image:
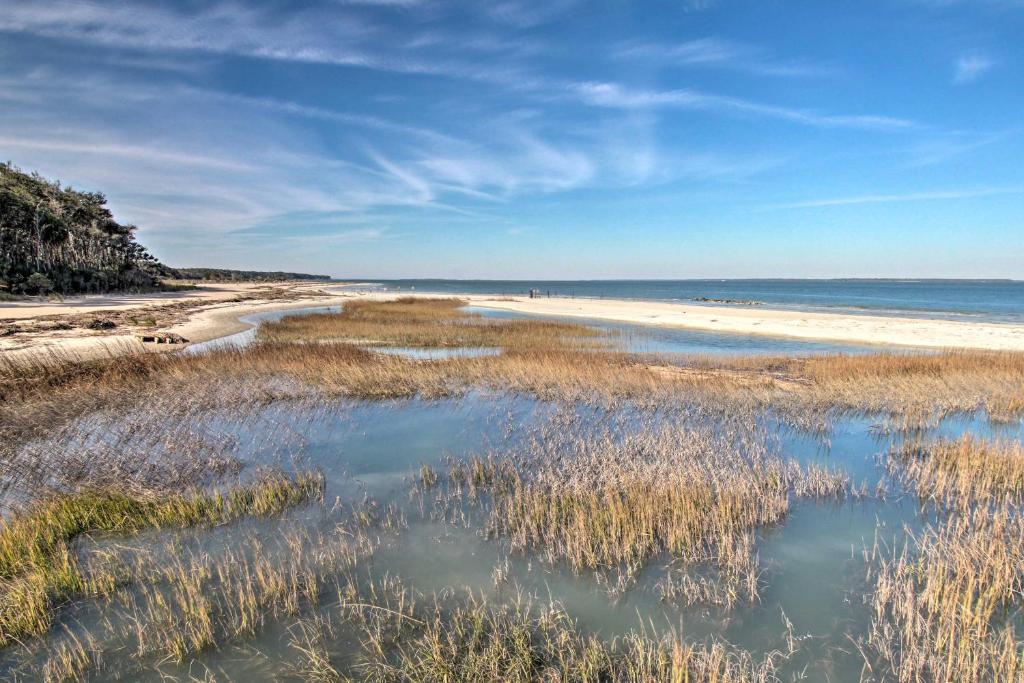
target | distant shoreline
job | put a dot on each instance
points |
(221, 317)
(990, 300)
(908, 332)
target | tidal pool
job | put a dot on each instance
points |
(651, 339)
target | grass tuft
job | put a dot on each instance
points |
(38, 563)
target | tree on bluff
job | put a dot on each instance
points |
(54, 238)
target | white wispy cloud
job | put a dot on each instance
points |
(1003, 4)
(417, 167)
(382, 3)
(139, 152)
(188, 161)
(526, 13)
(617, 96)
(720, 53)
(350, 40)
(316, 35)
(933, 151)
(321, 114)
(907, 197)
(219, 28)
(226, 28)
(971, 67)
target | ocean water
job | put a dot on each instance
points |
(981, 300)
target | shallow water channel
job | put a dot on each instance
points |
(814, 590)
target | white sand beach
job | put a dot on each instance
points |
(218, 316)
(761, 320)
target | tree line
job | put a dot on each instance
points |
(57, 239)
(226, 275)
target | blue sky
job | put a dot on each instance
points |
(523, 138)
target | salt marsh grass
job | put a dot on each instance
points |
(611, 498)
(962, 473)
(946, 602)
(944, 607)
(553, 361)
(427, 323)
(478, 643)
(38, 563)
(641, 473)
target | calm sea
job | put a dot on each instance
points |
(989, 300)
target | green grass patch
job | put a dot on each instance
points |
(39, 566)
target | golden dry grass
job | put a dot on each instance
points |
(943, 608)
(426, 323)
(479, 643)
(550, 361)
(613, 498)
(946, 607)
(594, 500)
(963, 473)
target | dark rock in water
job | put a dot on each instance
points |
(101, 324)
(734, 302)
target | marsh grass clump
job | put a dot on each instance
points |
(193, 603)
(918, 385)
(310, 638)
(38, 562)
(944, 608)
(70, 659)
(426, 323)
(478, 643)
(962, 473)
(611, 498)
(187, 596)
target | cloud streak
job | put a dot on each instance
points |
(97, 149)
(613, 95)
(714, 52)
(907, 197)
